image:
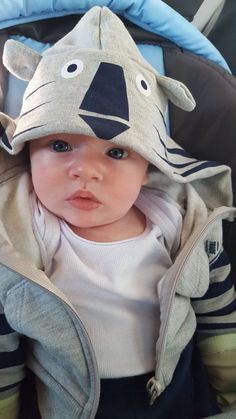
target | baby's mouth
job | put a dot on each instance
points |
(83, 200)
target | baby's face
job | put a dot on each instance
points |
(86, 181)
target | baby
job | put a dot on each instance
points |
(112, 266)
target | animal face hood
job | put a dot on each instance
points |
(95, 82)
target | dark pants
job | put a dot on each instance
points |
(187, 397)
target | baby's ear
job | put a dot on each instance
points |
(20, 60)
(177, 93)
(7, 129)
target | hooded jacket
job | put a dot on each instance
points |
(40, 328)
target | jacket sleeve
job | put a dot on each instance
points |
(216, 326)
(11, 369)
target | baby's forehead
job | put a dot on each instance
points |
(67, 136)
(77, 139)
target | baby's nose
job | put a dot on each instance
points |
(86, 168)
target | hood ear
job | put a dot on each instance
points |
(7, 129)
(177, 93)
(20, 60)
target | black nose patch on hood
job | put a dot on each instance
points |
(106, 97)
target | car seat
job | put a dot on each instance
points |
(216, 20)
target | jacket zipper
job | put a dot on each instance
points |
(154, 387)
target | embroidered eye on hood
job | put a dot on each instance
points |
(95, 82)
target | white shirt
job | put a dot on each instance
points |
(113, 286)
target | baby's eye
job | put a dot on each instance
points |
(60, 146)
(117, 153)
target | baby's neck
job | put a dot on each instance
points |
(131, 225)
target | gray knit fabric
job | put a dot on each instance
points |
(94, 81)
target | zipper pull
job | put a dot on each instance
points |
(154, 389)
